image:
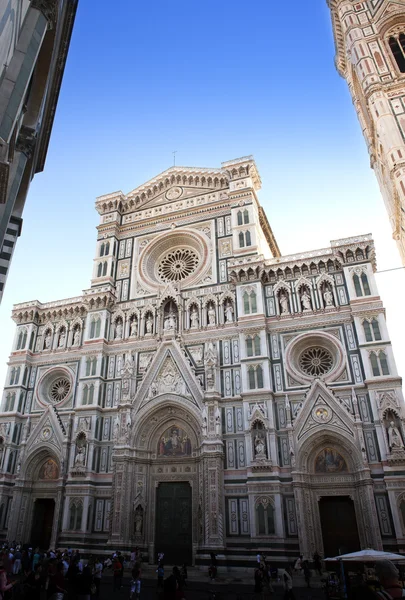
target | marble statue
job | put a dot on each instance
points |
(211, 315)
(194, 320)
(260, 448)
(284, 304)
(205, 422)
(328, 297)
(217, 421)
(118, 330)
(394, 437)
(79, 459)
(138, 521)
(76, 337)
(62, 338)
(133, 328)
(48, 338)
(229, 313)
(306, 300)
(149, 325)
(170, 322)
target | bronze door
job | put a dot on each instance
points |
(41, 534)
(174, 523)
(339, 525)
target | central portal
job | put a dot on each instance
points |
(42, 522)
(339, 525)
(174, 522)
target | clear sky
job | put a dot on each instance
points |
(214, 81)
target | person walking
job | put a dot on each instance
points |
(117, 575)
(307, 573)
(318, 564)
(259, 577)
(136, 582)
(288, 584)
(97, 575)
(160, 576)
(388, 575)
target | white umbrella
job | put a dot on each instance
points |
(368, 555)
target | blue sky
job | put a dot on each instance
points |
(213, 81)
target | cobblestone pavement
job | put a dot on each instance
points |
(198, 590)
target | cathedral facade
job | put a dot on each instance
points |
(205, 393)
(370, 55)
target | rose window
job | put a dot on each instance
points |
(316, 361)
(178, 264)
(59, 389)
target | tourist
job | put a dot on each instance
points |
(298, 564)
(117, 575)
(84, 584)
(33, 584)
(160, 576)
(97, 575)
(57, 584)
(212, 571)
(317, 563)
(170, 587)
(36, 558)
(136, 582)
(5, 584)
(307, 572)
(388, 575)
(259, 576)
(183, 574)
(288, 584)
(17, 561)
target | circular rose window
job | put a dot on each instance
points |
(175, 256)
(59, 389)
(316, 361)
(178, 264)
(55, 386)
(315, 354)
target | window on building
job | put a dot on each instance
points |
(20, 402)
(245, 239)
(102, 247)
(85, 398)
(91, 394)
(246, 216)
(32, 340)
(253, 345)
(376, 329)
(12, 376)
(367, 331)
(265, 518)
(88, 366)
(241, 240)
(361, 285)
(99, 269)
(249, 302)
(95, 327)
(104, 269)
(397, 45)
(248, 238)
(94, 366)
(240, 217)
(22, 339)
(75, 517)
(255, 375)
(107, 249)
(379, 363)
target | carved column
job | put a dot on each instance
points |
(57, 518)
(213, 501)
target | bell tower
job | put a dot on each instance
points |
(370, 55)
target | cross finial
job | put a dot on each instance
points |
(174, 158)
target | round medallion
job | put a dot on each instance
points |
(322, 414)
(46, 433)
(174, 193)
(59, 389)
(316, 361)
(178, 264)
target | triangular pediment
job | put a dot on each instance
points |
(47, 432)
(169, 373)
(322, 411)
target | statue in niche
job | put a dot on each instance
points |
(217, 421)
(80, 457)
(228, 312)
(118, 330)
(211, 314)
(138, 520)
(306, 300)
(394, 437)
(205, 422)
(170, 322)
(149, 325)
(48, 338)
(283, 299)
(194, 320)
(211, 354)
(328, 297)
(134, 327)
(62, 338)
(260, 448)
(76, 337)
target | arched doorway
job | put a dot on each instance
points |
(334, 497)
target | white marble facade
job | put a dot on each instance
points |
(202, 355)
